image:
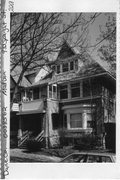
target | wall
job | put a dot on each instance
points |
(52, 107)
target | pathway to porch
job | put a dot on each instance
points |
(21, 155)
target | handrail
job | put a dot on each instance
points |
(23, 138)
(40, 136)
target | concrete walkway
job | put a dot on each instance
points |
(36, 157)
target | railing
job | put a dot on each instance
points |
(25, 136)
(39, 138)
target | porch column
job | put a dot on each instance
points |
(84, 122)
(20, 128)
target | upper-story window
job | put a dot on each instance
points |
(65, 67)
(64, 92)
(75, 90)
(86, 88)
(58, 69)
(71, 65)
(36, 93)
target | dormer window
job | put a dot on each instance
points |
(71, 65)
(65, 67)
(58, 69)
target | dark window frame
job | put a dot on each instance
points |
(75, 90)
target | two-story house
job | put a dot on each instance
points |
(70, 98)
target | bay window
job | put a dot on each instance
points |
(76, 120)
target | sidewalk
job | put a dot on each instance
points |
(21, 155)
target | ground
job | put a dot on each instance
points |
(22, 155)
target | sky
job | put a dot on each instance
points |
(94, 32)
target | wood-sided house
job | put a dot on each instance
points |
(70, 98)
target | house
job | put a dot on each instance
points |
(69, 99)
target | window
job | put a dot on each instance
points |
(54, 91)
(50, 91)
(58, 69)
(86, 88)
(76, 64)
(96, 88)
(71, 65)
(65, 67)
(64, 92)
(36, 93)
(76, 120)
(55, 121)
(43, 92)
(75, 90)
(89, 120)
(29, 94)
(53, 68)
(65, 120)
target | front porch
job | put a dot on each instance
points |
(31, 122)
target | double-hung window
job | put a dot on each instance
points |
(65, 67)
(76, 120)
(71, 65)
(64, 92)
(58, 69)
(36, 93)
(75, 90)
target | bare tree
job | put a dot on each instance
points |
(107, 51)
(36, 35)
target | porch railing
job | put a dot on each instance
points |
(25, 136)
(39, 138)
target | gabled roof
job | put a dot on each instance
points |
(15, 75)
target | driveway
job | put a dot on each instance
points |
(21, 155)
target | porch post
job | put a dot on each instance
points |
(20, 128)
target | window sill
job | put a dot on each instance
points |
(78, 130)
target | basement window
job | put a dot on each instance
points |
(64, 92)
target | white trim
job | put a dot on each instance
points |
(77, 106)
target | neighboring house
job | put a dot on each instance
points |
(70, 98)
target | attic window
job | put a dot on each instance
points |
(58, 69)
(65, 67)
(71, 66)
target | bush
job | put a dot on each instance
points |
(33, 145)
(87, 142)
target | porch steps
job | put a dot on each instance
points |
(38, 138)
(23, 145)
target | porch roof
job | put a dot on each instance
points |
(29, 112)
(32, 107)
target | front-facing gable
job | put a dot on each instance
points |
(65, 51)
